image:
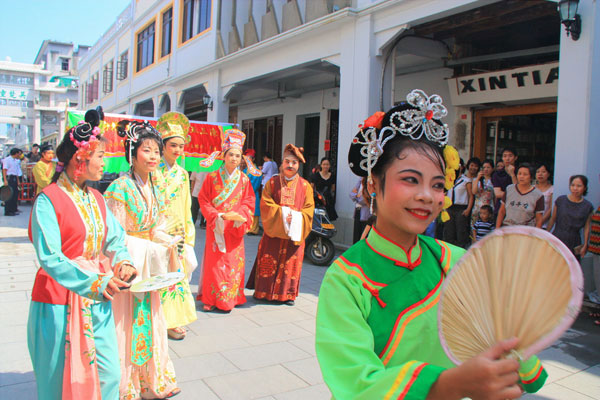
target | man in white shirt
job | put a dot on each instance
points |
(269, 168)
(11, 173)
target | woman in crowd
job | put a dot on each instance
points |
(361, 211)
(43, 171)
(71, 331)
(571, 214)
(483, 190)
(458, 229)
(378, 301)
(137, 201)
(323, 183)
(178, 302)
(255, 181)
(227, 202)
(524, 204)
(543, 184)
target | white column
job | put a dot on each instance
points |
(360, 72)
(156, 111)
(578, 122)
(220, 111)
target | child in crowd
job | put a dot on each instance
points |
(484, 224)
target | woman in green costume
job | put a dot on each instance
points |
(377, 329)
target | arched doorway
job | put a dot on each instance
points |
(192, 103)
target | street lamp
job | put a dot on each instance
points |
(569, 17)
(206, 99)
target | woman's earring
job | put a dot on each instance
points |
(372, 198)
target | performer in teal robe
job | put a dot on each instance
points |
(81, 251)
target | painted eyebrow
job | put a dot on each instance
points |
(414, 171)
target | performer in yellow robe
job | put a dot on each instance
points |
(178, 303)
(286, 207)
(43, 171)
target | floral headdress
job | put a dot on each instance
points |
(232, 139)
(420, 117)
(84, 136)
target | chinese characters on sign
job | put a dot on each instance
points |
(13, 94)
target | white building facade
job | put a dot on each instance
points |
(17, 98)
(34, 97)
(310, 71)
(57, 90)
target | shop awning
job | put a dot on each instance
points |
(66, 81)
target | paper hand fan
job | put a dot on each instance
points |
(157, 282)
(516, 282)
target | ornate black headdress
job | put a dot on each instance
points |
(133, 130)
(419, 117)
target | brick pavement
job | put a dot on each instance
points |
(258, 351)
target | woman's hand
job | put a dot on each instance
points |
(466, 212)
(114, 286)
(485, 376)
(583, 250)
(127, 272)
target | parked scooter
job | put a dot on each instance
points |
(319, 249)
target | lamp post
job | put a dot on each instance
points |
(569, 17)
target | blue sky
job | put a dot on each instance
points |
(25, 24)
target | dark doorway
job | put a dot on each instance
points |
(264, 135)
(530, 129)
(311, 145)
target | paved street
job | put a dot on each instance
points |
(258, 351)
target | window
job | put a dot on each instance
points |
(49, 119)
(16, 79)
(167, 28)
(95, 82)
(64, 64)
(17, 103)
(204, 15)
(196, 18)
(107, 77)
(145, 47)
(91, 89)
(122, 66)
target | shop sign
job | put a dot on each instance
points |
(13, 94)
(531, 82)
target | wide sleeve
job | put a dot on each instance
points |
(308, 210)
(114, 245)
(205, 198)
(245, 209)
(345, 343)
(190, 230)
(270, 213)
(46, 239)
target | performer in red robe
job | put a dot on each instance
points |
(227, 202)
(286, 208)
